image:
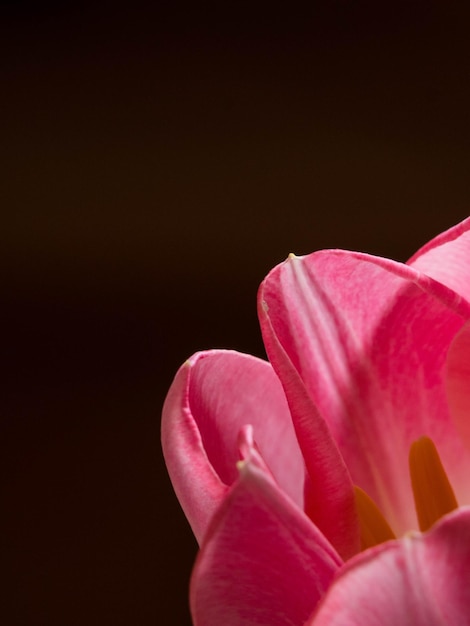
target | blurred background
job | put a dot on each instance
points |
(156, 161)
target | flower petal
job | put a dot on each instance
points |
(368, 338)
(458, 384)
(446, 258)
(329, 495)
(214, 396)
(421, 580)
(262, 560)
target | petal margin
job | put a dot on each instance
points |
(262, 560)
(368, 338)
(421, 580)
(446, 258)
(214, 396)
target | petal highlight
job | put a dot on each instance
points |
(446, 258)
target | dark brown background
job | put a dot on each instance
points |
(156, 162)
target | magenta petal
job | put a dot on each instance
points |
(262, 560)
(446, 258)
(214, 396)
(421, 580)
(368, 338)
(329, 497)
(458, 388)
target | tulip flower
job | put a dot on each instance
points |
(330, 484)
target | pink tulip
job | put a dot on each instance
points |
(330, 485)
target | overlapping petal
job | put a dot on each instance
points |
(366, 356)
(329, 496)
(421, 580)
(262, 561)
(446, 258)
(368, 339)
(214, 395)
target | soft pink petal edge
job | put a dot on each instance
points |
(446, 258)
(262, 560)
(196, 484)
(215, 395)
(420, 580)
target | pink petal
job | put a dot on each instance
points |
(458, 385)
(262, 560)
(368, 339)
(421, 580)
(214, 396)
(446, 258)
(329, 499)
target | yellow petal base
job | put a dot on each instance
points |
(373, 526)
(432, 491)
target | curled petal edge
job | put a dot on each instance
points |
(218, 397)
